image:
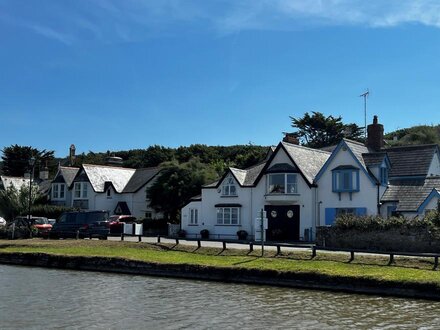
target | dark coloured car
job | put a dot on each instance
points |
(81, 224)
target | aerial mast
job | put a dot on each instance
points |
(365, 96)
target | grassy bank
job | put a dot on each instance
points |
(405, 270)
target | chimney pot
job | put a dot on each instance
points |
(375, 135)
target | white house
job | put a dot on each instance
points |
(116, 189)
(301, 189)
(282, 186)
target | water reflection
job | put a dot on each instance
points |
(35, 298)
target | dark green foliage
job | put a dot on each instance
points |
(15, 159)
(49, 211)
(373, 223)
(318, 131)
(15, 202)
(176, 184)
(415, 135)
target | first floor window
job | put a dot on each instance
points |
(58, 191)
(228, 216)
(80, 190)
(229, 188)
(282, 184)
(193, 216)
(346, 180)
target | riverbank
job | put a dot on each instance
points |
(409, 277)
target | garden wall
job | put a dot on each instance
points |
(392, 239)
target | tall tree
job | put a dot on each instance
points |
(15, 202)
(16, 159)
(176, 184)
(318, 131)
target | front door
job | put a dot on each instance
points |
(283, 222)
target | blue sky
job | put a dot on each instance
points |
(118, 75)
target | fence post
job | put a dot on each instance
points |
(251, 246)
(313, 252)
(77, 234)
(391, 259)
(278, 249)
(122, 236)
(351, 256)
(177, 241)
(199, 244)
(140, 238)
(158, 238)
(224, 245)
(435, 262)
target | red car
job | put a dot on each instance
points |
(42, 226)
(117, 223)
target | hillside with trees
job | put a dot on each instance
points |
(422, 134)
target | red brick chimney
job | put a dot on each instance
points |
(291, 138)
(375, 135)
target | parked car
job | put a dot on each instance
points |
(2, 222)
(82, 224)
(42, 226)
(39, 226)
(117, 222)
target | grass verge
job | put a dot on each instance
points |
(404, 271)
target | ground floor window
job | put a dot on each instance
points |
(228, 216)
(193, 216)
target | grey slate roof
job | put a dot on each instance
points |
(141, 177)
(358, 149)
(374, 158)
(410, 197)
(248, 176)
(309, 161)
(411, 160)
(68, 173)
(124, 180)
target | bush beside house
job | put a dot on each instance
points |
(376, 233)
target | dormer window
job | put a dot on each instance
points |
(229, 188)
(282, 183)
(345, 179)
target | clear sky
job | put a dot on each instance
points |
(118, 75)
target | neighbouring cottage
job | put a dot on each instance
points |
(116, 189)
(302, 188)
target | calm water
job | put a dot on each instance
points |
(37, 298)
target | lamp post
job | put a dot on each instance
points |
(31, 176)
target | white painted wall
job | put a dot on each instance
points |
(434, 168)
(365, 198)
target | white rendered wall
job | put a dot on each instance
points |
(434, 168)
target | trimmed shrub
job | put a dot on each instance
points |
(50, 211)
(204, 233)
(242, 235)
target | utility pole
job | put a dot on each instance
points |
(365, 96)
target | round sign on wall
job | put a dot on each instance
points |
(273, 214)
(290, 214)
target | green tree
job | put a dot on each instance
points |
(176, 184)
(16, 159)
(318, 131)
(15, 202)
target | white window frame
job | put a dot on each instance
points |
(194, 217)
(287, 184)
(229, 188)
(58, 191)
(80, 190)
(225, 214)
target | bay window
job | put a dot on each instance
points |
(345, 180)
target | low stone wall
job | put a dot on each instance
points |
(407, 240)
(236, 275)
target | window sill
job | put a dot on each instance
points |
(227, 225)
(192, 225)
(345, 191)
(282, 194)
(227, 196)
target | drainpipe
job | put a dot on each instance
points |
(378, 199)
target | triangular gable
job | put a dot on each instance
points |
(231, 172)
(361, 165)
(269, 163)
(434, 194)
